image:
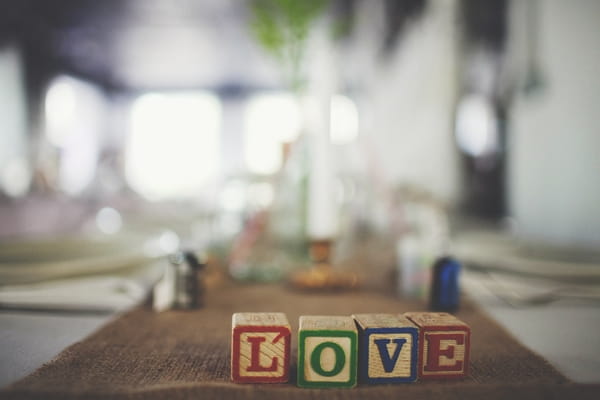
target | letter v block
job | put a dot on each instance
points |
(260, 348)
(327, 352)
(444, 345)
(388, 348)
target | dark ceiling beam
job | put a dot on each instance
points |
(61, 36)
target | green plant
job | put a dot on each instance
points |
(282, 28)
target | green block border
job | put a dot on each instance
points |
(325, 334)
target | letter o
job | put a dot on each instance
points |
(340, 359)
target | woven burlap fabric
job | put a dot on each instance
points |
(186, 355)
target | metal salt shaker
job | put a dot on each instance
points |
(188, 288)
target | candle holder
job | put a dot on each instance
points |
(321, 275)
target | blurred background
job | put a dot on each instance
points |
(399, 130)
(267, 136)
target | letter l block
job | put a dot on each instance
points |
(260, 348)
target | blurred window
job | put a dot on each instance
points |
(15, 172)
(344, 120)
(74, 123)
(476, 128)
(173, 144)
(270, 120)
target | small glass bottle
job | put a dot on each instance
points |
(445, 291)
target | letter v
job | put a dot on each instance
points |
(389, 362)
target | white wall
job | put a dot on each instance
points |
(554, 158)
(410, 101)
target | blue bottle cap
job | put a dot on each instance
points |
(445, 291)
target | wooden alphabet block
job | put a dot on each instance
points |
(260, 348)
(327, 352)
(444, 345)
(387, 349)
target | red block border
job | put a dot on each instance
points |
(235, 354)
(445, 328)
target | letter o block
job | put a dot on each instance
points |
(260, 348)
(444, 345)
(327, 352)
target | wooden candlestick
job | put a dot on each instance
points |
(321, 275)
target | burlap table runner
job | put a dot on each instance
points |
(185, 355)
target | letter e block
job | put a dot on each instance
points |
(260, 348)
(444, 345)
(327, 352)
(387, 349)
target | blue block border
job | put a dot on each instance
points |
(363, 356)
